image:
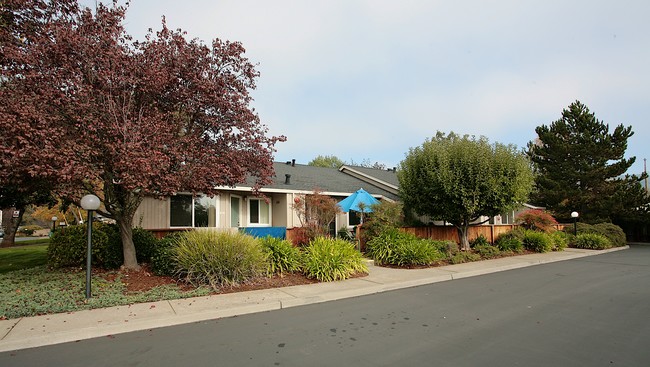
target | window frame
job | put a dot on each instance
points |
(195, 199)
(259, 212)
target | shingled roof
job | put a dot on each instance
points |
(305, 178)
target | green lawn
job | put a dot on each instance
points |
(39, 290)
(35, 241)
(28, 287)
(22, 257)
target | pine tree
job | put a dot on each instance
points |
(579, 166)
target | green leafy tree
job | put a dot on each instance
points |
(330, 161)
(579, 165)
(333, 161)
(460, 179)
(17, 198)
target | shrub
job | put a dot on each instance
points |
(30, 229)
(345, 234)
(487, 251)
(113, 257)
(560, 240)
(162, 259)
(68, 247)
(385, 215)
(511, 241)
(143, 241)
(592, 241)
(218, 258)
(464, 257)
(614, 233)
(382, 248)
(536, 219)
(447, 248)
(145, 244)
(417, 251)
(393, 247)
(510, 244)
(300, 236)
(537, 241)
(580, 226)
(479, 241)
(283, 257)
(329, 259)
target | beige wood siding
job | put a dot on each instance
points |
(152, 214)
(279, 210)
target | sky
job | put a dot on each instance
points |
(368, 80)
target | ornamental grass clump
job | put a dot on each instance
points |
(393, 247)
(509, 244)
(382, 248)
(592, 241)
(560, 240)
(328, 259)
(218, 258)
(282, 256)
(537, 241)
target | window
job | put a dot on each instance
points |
(181, 211)
(354, 218)
(259, 212)
(186, 211)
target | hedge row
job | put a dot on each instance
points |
(209, 257)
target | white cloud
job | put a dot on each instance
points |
(399, 71)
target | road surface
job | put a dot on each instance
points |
(593, 311)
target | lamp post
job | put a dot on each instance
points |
(574, 215)
(89, 203)
(54, 219)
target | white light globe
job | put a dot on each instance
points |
(90, 202)
(574, 214)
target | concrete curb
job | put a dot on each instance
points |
(29, 332)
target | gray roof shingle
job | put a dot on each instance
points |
(309, 178)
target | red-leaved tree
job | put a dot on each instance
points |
(536, 219)
(316, 213)
(94, 112)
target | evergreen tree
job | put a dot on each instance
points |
(579, 166)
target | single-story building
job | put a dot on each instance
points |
(237, 207)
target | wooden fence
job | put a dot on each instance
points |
(450, 233)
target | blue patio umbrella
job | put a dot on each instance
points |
(360, 197)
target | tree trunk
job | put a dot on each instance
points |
(462, 236)
(122, 204)
(128, 248)
(10, 225)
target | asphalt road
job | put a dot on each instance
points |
(593, 311)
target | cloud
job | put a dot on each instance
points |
(395, 72)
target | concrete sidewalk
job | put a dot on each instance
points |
(38, 331)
